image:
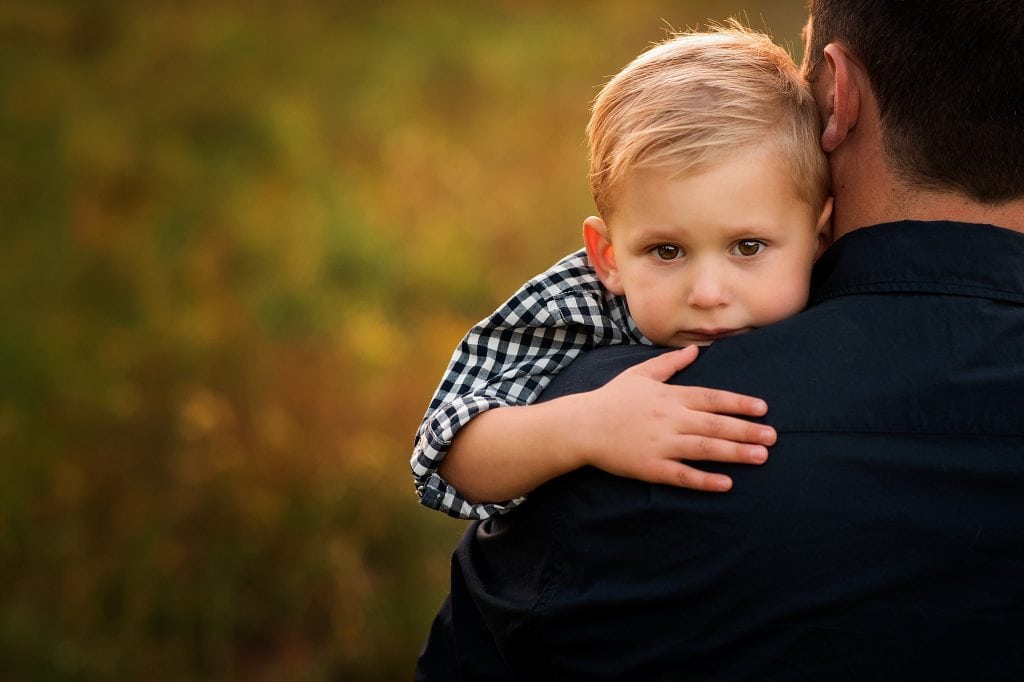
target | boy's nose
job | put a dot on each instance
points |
(707, 290)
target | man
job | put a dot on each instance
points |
(884, 537)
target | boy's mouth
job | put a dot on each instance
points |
(709, 335)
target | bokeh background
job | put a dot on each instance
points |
(238, 242)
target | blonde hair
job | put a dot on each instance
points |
(696, 98)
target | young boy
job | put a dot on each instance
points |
(707, 173)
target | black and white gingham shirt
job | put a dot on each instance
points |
(509, 358)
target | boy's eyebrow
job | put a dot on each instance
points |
(648, 235)
(655, 233)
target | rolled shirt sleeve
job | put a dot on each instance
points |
(509, 358)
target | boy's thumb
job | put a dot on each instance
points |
(665, 365)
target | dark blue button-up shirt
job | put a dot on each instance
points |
(883, 539)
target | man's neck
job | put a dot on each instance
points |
(868, 192)
(885, 202)
(957, 207)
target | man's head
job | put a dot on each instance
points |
(948, 80)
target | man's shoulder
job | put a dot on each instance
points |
(797, 366)
(753, 363)
(594, 368)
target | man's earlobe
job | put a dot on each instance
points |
(601, 254)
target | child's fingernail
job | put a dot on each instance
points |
(767, 435)
(757, 454)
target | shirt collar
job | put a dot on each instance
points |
(923, 257)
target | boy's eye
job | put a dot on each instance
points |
(667, 251)
(748, 247)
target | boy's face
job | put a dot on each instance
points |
(712, 254)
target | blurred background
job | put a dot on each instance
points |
(238, 242)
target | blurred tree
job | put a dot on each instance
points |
(239, 241)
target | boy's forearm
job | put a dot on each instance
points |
(506, 452)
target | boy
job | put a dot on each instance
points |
(713, 194)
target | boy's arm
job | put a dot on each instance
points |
(433, 441)
(505, 360)
(635, 426)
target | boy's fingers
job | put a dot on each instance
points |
(683, 476)
(705, 449)
(724, 402)
(727, 428)
(662, 367)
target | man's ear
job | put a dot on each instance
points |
(824, 228)
(602, 254)
(843, 94)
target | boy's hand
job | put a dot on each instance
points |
(640, 427)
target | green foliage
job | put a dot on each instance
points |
(239, 242)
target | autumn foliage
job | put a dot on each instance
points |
(238, 241)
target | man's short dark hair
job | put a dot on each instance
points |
(949, 79)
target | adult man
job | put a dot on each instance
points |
(884, 537)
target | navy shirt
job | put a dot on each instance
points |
(883, 539)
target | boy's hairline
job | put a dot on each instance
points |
(721, 155)
(612, 162)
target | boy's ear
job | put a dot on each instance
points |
(602, 254)
(824, 228)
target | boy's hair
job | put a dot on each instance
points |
(697, 98)
(948, 76)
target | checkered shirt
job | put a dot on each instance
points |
(508, 359)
